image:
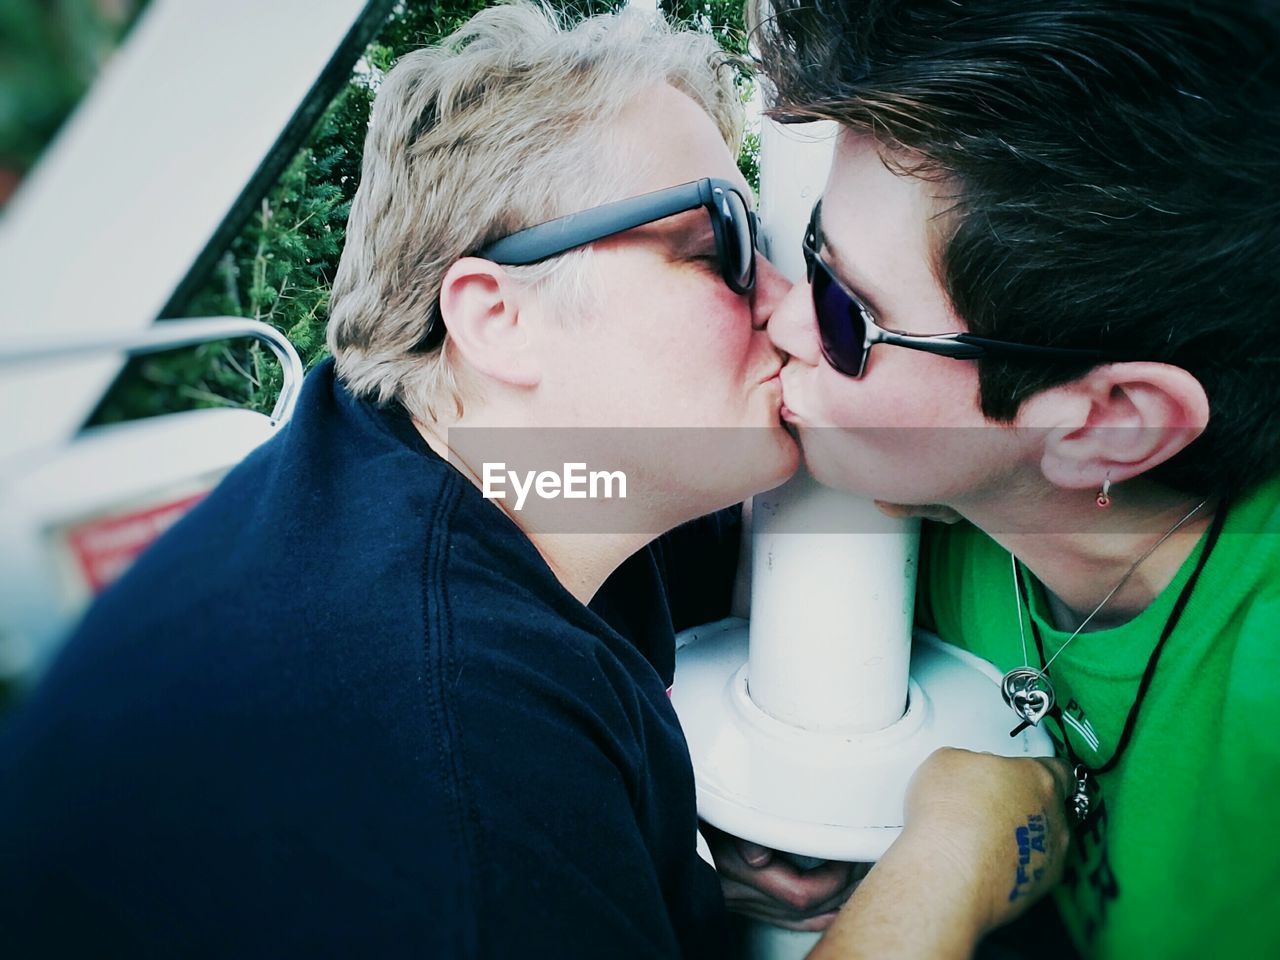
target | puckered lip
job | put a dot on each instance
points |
(773, 374)
(786, 412)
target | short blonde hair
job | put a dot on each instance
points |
(504, 124)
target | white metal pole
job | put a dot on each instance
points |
(833, 579)
(832, 589)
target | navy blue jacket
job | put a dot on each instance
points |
(345, 709)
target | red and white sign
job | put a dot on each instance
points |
(104, 547)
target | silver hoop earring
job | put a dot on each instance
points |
(1103, 499)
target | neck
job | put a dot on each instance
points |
(583, 561)
(580, 561)
(1080, 552)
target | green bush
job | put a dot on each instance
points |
(279, 267)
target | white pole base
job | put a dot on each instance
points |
(836, 796)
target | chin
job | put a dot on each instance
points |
(768, 460)
(836, 479)
(774, 455)
(830, 469)
(767, 463)
(869, 478)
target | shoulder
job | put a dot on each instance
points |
(1246, 578)
(285, 611)
(332, 517)
(960, 567)
(1255, 660)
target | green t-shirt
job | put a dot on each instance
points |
(1180, 856)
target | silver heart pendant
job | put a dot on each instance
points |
(1028, 692)
(1032, 705)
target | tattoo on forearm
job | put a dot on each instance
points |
(1030, 838)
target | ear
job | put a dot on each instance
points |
(1117, 421)
(488, 317)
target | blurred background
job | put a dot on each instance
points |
(278, 267)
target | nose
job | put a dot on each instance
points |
(770, 290)
(793, 328)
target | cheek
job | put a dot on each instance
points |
(901, 389)
(712, 339)
(914, 437)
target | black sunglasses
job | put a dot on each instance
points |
(847, 328)
(733, 223)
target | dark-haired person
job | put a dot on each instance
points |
(1044, 300)
(353, 704)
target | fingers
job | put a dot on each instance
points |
(776, 879)
(735, 858)
(743, 900)
(761, 883)
(795, 906)
(753, 854)
(803, 892)
(771, 914)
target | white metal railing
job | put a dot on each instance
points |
(168, 335)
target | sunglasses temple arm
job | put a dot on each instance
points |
(1002, 348)
(577, 229)
(964, 346)
(955, 345)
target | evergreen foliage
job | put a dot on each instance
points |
(49, 54)
(723, 19)
(279, 267)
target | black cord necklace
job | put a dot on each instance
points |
(1082, 770)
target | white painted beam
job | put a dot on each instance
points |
(133, 188)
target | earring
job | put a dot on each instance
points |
(1103, 499)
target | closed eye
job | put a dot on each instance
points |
(708, 265)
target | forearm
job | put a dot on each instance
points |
(985, 837)
(917, 902)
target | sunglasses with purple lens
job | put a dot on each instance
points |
(847, 328)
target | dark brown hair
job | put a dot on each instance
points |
(1117, 165)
